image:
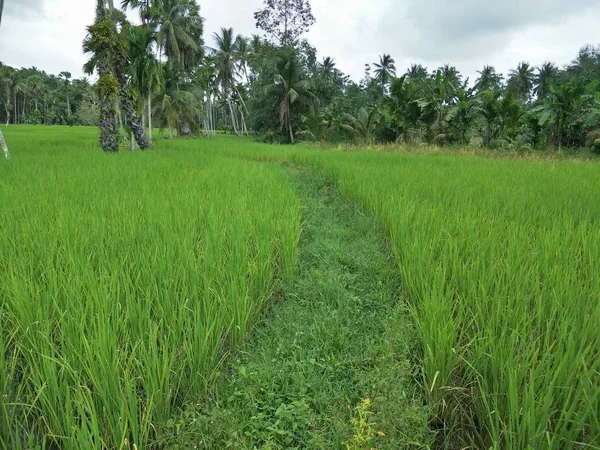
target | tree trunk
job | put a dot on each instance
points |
(133, 119)
(150, 119)
(3, 146)
(109, 134)
(132, 141)
(233, 124)
(291, 131)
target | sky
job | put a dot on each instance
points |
(468, 34)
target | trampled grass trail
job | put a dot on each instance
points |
(334, 348)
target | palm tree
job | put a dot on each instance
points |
(563, 109)
(520, 81)
(242, 55)
(20, 87)
(385, 70)
(1, 8)
(142, 5)
(403, 103)
(327, 68)
(36, 86)
(66, 78)
(462, 114)
(438, 93)
(178, 104)
(226, 65)
(487, 107)
(144, 68)
(451, 74)
(288, 89)
(488, 80)
(546, 75)
(179, 30)
(417, 72)
(103, 46)
(362, 126)
(7, 78)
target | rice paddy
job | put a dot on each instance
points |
(125, 280)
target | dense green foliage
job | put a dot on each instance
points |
(276, 87)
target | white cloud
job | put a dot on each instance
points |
(466, 33)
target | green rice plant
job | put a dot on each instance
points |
(501, 259)
(125, 279)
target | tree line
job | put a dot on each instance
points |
(161, 73)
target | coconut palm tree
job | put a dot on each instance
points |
(488, 80)
(288, 89)
(327, 68)
(242, 55)
(178, 104)
(546, 75)
(146, 72)
(227, 67)
(7, 79)
(142, 5)
(451, 74)
(36, 87)
(179, 30)
(417, 72)
(385, 70)
(361, 126)
(520, 81)
(20, 87)
(66, 79)
(487, 107)
(563, 109)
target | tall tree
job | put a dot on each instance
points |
(2, 141)
(226, 65)
(385, 70)
(488, 80)
(104, 46)
(284, 21)
(417, 72)
(327, 68)
(35, 85)
(7, 78)
(546, 75)
(520, 81)
(145, 70)
(564, 110)
(66, 78)
(288, 88)
(179, 31)
(242, 56)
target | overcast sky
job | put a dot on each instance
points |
(465, 33)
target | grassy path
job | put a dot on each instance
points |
(337, 336)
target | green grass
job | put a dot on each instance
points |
(125, 279)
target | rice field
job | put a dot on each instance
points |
(125, 279)
(500, 259)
